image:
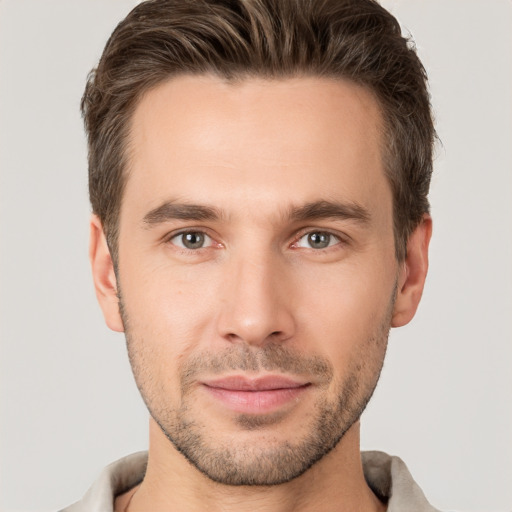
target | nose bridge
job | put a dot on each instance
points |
(255, 309)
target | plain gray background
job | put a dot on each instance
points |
(68, 402)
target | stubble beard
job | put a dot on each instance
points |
(272, 461)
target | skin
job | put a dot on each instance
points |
(257, 293)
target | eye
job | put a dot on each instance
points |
(191, 240)
(317, 240)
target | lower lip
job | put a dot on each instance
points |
(256, 402)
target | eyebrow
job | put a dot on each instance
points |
(316, 210)
(171, 210)
(330, 210)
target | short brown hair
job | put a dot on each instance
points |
(356, 40)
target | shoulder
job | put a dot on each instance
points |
(391, 481)
(115, 479)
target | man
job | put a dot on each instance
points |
(259, 173)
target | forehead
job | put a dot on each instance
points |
(293, 140)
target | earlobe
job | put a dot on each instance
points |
(412, 274)
(104, 277)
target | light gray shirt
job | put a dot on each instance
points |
(387, 476)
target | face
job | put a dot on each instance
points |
(257, 269)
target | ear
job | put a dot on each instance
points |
(412, 274)
(104, 276)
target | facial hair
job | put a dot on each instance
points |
(272, 462)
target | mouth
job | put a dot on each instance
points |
(261, 395)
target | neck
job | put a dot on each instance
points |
(335, 483)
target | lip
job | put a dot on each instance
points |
(260, 395)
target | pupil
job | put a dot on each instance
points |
(193, 240)
(319, 240)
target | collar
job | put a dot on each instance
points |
(387, 476)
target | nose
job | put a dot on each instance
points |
(255, 302)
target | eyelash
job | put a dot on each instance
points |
(338, 239)
(169, 239)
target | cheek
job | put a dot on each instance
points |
(348, 298)
(168, 307)
(349, 319)
(169, 316)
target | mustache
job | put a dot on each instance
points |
(272, 357)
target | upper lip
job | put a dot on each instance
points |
(264, 383)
